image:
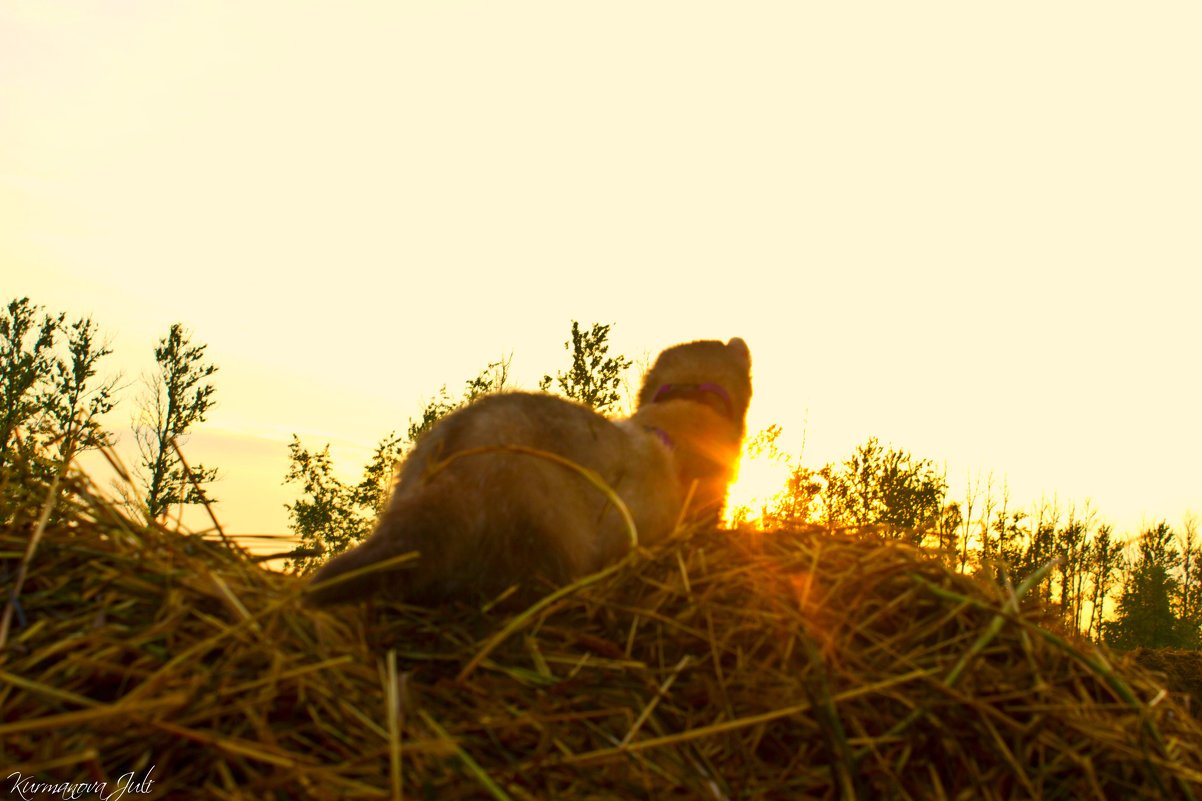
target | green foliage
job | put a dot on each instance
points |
(886, 487)
(493, 378)
(889, 487)
(434, 410)
(1073, 549)
(594, 377)
(331, 516)
(26, 360)
(799, 500)
(1013, 544)
(175, 399)
(1191, 577)
(876, 485)
(1146, 613)
(948, 532)
(74, 403)
(1039, 550)
(1105, 559)
(51, 402)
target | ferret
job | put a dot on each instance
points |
(484, 520)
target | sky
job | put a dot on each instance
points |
(969, 230)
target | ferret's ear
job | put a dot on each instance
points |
(739, 348)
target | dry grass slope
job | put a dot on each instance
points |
(721, 665)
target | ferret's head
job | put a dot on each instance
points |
(709, 371)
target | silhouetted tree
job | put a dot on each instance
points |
(966, 510)
(1012, 543)
(1144, 615)
(26, 360)
(74, 402)
(950, 522)
(1105, 560)
(51, 403)
(176, 397)
(493, 378)
(332, 516)
(799, 501)
(888, 487)
(594, 377)
(796, 502)
(1040, 548)
(1071, 546)
(1191, 581)
(991, 519)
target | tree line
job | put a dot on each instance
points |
(1157, 576)
(54, 394)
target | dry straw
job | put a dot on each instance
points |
(720, 665)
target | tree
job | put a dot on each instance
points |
(51, 402)
(965, 509)
(1038, 535)
(799, 500)
(887, 487)
(1144, 615)
(1105, 560)
(332, 515)
(992, 520)
(1191, 579)
(791, 505)
(594, 378)
(73, 404)
(950, 522)
(493, 378)
(1071, 546)
(176, 398)
(26, 359)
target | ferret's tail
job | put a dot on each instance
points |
(442, 533)
(323, 590)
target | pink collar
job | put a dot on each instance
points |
(663, 436)
(693, 392)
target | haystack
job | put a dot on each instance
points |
(720, 665)
(1179, 671)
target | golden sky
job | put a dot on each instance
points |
(972, 231)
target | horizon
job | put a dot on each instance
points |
(768, 476)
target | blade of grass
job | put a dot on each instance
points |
(43, 518)
(473, 767)
(521, 620)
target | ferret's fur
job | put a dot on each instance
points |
(483, 522)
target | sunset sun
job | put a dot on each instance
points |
(760, 477)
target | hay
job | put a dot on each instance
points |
(1180, 671)
(721, 665)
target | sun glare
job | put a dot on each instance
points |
(760, 478)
